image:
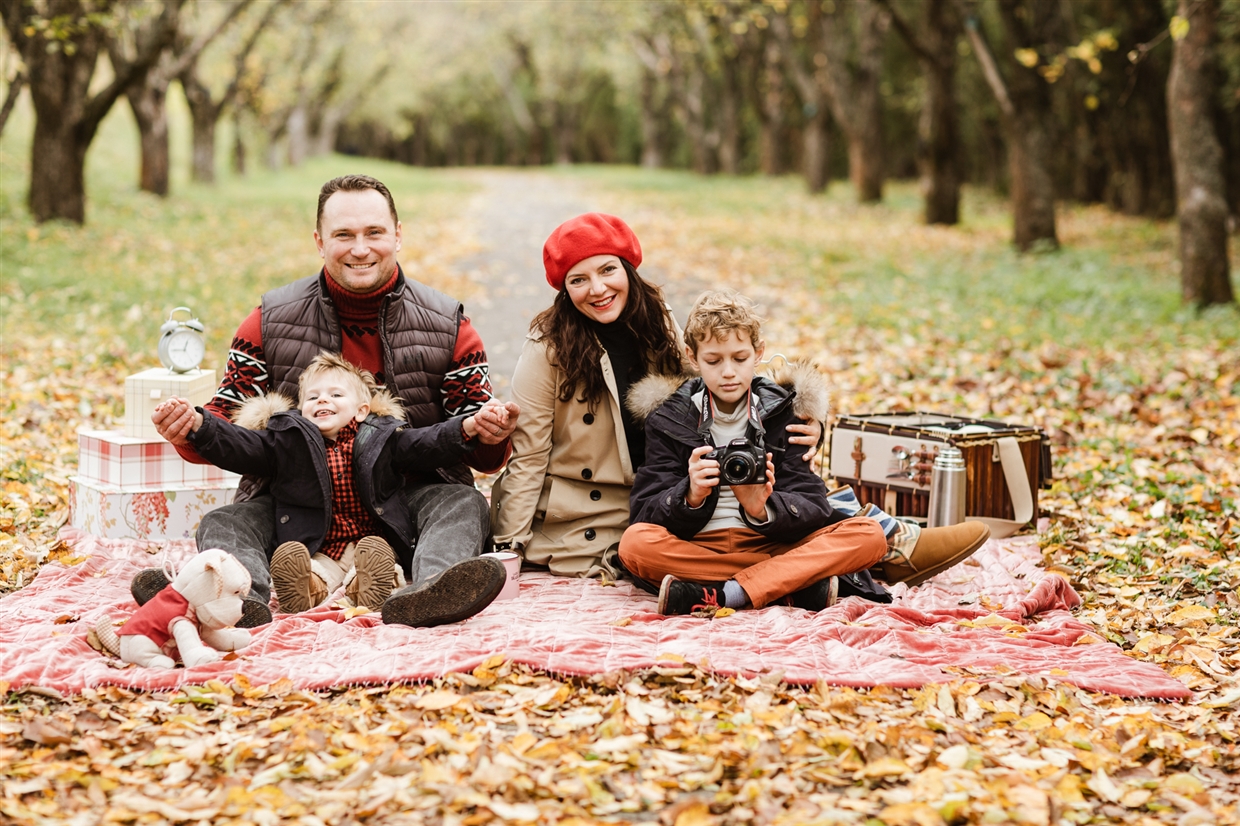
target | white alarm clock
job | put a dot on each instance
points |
(181, 345)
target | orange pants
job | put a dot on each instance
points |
(766, 570)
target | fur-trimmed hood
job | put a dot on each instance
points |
(812, 402)
(255, 413)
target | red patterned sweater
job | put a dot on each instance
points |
(465, 389)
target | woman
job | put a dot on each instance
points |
(563, 500)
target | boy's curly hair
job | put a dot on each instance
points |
(362, 380)
(717, 313)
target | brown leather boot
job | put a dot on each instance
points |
(375, 563)
(297, 587)
(937, 549)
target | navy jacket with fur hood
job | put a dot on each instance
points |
(272, 439)
(798, 504)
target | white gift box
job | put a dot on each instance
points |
(109, 457)
(145, 390)
(144, 513)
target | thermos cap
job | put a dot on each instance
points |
(949, 457)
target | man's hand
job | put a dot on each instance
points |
(753, 497)
(703, 475)
(495, 422)
(175, 419)
(808, 434)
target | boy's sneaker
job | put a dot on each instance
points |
(699, 599)
(297, 587)
(148, 582)
(817, 597)
(460, 592)
(937, 549)
(375, 564)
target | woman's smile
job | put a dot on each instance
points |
(598, 275)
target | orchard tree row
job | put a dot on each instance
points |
(1131, 103)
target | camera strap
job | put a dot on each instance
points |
(706, 419)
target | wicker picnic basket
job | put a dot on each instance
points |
(887, 458)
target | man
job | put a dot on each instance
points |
(414, 340)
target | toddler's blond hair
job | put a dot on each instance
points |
(362, 380)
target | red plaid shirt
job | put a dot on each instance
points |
(350, 519)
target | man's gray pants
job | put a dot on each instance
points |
(451, 523)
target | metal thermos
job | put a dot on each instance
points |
(947, 482)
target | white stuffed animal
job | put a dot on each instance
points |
(199, 606)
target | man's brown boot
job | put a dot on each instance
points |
(297, 587)
(375, 564)
(937, 549)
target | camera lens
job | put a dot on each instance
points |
(738, 468)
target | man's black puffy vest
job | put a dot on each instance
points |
(417, 329)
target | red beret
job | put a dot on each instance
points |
(587, 235)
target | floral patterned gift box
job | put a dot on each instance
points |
(144, 513)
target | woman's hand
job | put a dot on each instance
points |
(808, 434)
(753, 497)
(703, 475)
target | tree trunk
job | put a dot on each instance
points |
(729, 117)
(1030, 155)
(693, 96)
(58, 90)
(865, 150)
(238, 148)
(298, 136)
(324, 139)
(652, 158)
(148, 102)
(1198, 157)
(937, 150)
(1026, 115)
(770, 158)
(66, 115)
(57, 163)
(853, 68)
(565, 132)
(203, 116)
(816, 147)
(10, 99)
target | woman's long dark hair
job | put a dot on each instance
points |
(573, 347)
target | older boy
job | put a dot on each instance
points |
(714, 545)
(333, 464)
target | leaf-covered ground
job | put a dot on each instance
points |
(1139, 396)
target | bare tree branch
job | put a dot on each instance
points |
(10, 99)
(990, 69)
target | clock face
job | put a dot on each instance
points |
(185, 349)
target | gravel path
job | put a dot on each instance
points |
(511, 216)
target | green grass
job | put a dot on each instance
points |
(1114, 281)
(106, 286)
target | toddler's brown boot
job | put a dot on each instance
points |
(298, 588)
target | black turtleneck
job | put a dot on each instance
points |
(628, 362)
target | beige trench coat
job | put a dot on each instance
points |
(563, 499)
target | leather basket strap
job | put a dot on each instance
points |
(1018, 489)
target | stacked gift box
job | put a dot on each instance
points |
(132, 484)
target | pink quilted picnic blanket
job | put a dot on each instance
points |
(997, 613)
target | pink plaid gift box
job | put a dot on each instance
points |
(109, 457)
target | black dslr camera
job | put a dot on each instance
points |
(741, 461)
